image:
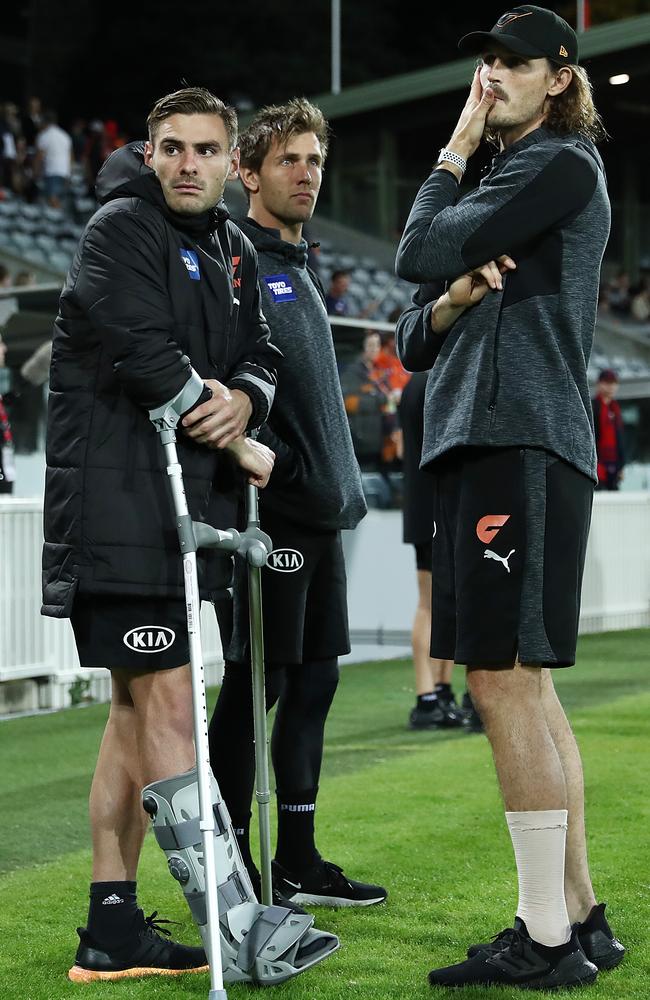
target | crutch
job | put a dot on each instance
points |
(260, 730)
(193, 535)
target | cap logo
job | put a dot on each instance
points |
(563, 51)
(507, 18)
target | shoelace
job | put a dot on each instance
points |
(505, 936)
(155, 924)
(514, 947)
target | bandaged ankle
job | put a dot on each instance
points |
(539, 839)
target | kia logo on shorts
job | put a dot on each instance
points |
(286, 560)
(149, 638)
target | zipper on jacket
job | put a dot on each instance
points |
(495, 353)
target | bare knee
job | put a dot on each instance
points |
(504, 691)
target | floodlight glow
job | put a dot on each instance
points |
(619, 79)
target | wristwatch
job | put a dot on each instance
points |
(447, 156)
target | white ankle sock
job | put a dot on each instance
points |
(539, 840)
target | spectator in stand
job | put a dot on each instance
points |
(5, 278)
(24, 279)
(32, 122)
(389, 367)
(7, 465)
(618, 294)
(608, 426)
(335, 300)
(391, 376)
(640, 305)
(94, 153)
(78, 137)
(113, 138)
(53, 159)
(8, 153)
(364, 401)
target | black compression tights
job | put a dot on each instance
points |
(304, 693)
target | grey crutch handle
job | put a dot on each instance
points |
(166, 417)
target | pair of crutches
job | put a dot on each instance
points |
(254, 546)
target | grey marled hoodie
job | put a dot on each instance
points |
(316, 478)
(513, 369)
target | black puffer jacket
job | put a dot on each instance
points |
(143, 295)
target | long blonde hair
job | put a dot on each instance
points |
(573, 110)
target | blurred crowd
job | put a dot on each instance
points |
(626, 299)
(372, 389)
(38, 155)
(21, 278)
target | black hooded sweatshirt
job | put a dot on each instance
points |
(148, 295)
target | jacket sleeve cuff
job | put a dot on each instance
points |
(259, 402)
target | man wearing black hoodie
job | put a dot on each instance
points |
(314, 492)
(148, 308)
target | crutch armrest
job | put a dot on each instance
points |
(193, 393)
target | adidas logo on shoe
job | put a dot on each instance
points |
(112, 900)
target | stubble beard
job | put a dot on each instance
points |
(192, 205)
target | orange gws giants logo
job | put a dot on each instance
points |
(511, 16)
(489, 526)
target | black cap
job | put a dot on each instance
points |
(608, 375)
(528, 31)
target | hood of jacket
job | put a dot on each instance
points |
(268, 241)
(125, 175)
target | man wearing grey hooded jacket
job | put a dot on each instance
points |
(315, 492)
(509, 438)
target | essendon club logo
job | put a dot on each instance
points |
(236, 280)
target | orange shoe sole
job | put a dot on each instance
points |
(79, 975)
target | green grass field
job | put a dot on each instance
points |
(419, 812)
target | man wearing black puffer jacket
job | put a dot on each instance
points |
(148, 308)
(314, 492)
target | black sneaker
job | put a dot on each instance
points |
(453, 714)
(144, 953)
(324, 884)
(594, 934)
(430, 717)
(524, 963)
(597, 939)
(471, 719)
(278, 898)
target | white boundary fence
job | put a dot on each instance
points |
(40, 652)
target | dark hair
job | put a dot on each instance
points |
(281, 122)
(192, 101)
(340, 273)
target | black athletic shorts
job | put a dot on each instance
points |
(509, 546)
(130, 633)
(423, 555)
(304, 596)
